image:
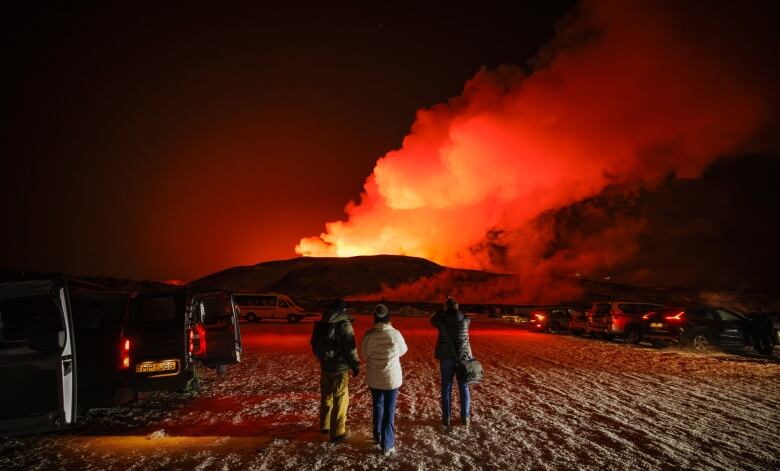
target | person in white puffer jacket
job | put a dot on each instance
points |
(382, 348)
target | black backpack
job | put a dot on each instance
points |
(324, 341)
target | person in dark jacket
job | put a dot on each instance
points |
(452, 348)
(763, 333)
(333, 343)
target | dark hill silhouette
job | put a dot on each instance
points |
(329, 277)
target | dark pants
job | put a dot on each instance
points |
(448, 368)
(384, 416)
(763, 342)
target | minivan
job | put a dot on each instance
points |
(37, 357)
(167, 330)
(254, 307)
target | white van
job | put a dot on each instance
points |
(256, 306)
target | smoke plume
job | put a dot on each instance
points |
(626, 94)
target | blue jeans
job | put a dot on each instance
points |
(384, 416)
(448, 368)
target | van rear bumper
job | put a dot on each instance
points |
(141, 383)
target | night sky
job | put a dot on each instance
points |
(169, 142)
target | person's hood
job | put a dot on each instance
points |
(380, 326)
(332, 317)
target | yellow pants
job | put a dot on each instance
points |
(334, 400)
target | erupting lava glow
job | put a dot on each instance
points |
(627, 93)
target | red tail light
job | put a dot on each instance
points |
(677, 317)
(124, 354)
(197, 341)
(539, 316)
(648, 315)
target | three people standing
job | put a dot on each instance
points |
(382, 347)
(333, 343)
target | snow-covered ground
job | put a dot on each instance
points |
(548, 402)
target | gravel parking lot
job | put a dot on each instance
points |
(548, 402)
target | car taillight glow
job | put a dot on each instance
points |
(124, 354)
(539, 316)
(197, 341)
(676, 317)
(648, 315)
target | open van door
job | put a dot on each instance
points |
(37, 364)
(217, 331)
(153, 347)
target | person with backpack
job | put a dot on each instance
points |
(452, 349)
(382, 347)
(333, 343)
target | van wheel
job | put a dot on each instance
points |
(292, 319)
(251, 317)
(553, 328)
(221, 370)
(701, 343)
(633, 335)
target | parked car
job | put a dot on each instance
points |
(166, 331)
(578, 324)
(98, 319)
(551, 319)
(515, 314)
(37, 357)
(254, 307)
(700, 327)
(619, 319)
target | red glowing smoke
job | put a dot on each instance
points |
(627, 93)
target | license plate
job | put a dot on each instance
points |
(157, 366)
(656, 325)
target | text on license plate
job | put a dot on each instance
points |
(656, 325)
(155, 366)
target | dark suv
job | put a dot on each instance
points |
(700, 327)
(619, 319)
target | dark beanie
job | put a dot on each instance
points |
(337, 306)
(451, 304)
(381, 314)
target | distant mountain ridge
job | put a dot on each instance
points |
(329, 277)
